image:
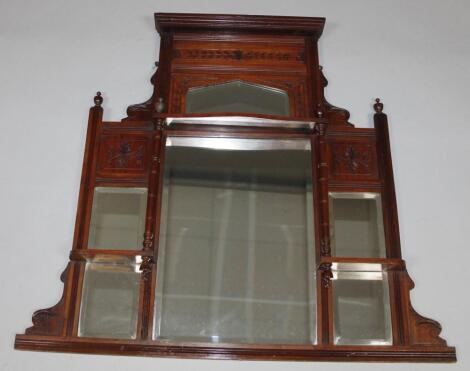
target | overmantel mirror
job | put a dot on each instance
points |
(237, 214)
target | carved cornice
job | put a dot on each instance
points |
(181, 22)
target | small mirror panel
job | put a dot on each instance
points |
(117, 218)
(110, 298)
(356, 225)
(361, 308)
(237, 97)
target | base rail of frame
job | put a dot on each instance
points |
(237, 351)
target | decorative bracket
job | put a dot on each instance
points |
(50, 321)
(144, 110)
(335, 115)
(423, 331)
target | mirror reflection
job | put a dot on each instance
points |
(356, 225)
(237, 97)
(361, 308)
(110, 298)
(236, 252)
(117, 218)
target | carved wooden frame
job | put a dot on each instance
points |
(293, 85)
(345, 158)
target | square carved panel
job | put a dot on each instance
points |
(123, 155)
(353, 160)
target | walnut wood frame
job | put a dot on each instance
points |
(197, 50)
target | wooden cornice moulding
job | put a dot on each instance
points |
(170, 22)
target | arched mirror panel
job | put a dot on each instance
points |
(238, 97)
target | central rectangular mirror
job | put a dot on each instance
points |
(236, 246)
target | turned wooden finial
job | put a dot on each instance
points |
(160, 105)
(98, 99)
(378, 106)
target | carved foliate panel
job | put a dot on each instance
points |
(123, 155)
(353, 160)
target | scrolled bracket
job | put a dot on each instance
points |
(423, 330)
(335, 115)
(50, 321)
(144, 110)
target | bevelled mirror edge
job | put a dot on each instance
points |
(257, 158)
(109, 302)
(237, 96)
(357, 226)
(117, 218)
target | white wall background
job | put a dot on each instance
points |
(415, 55)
